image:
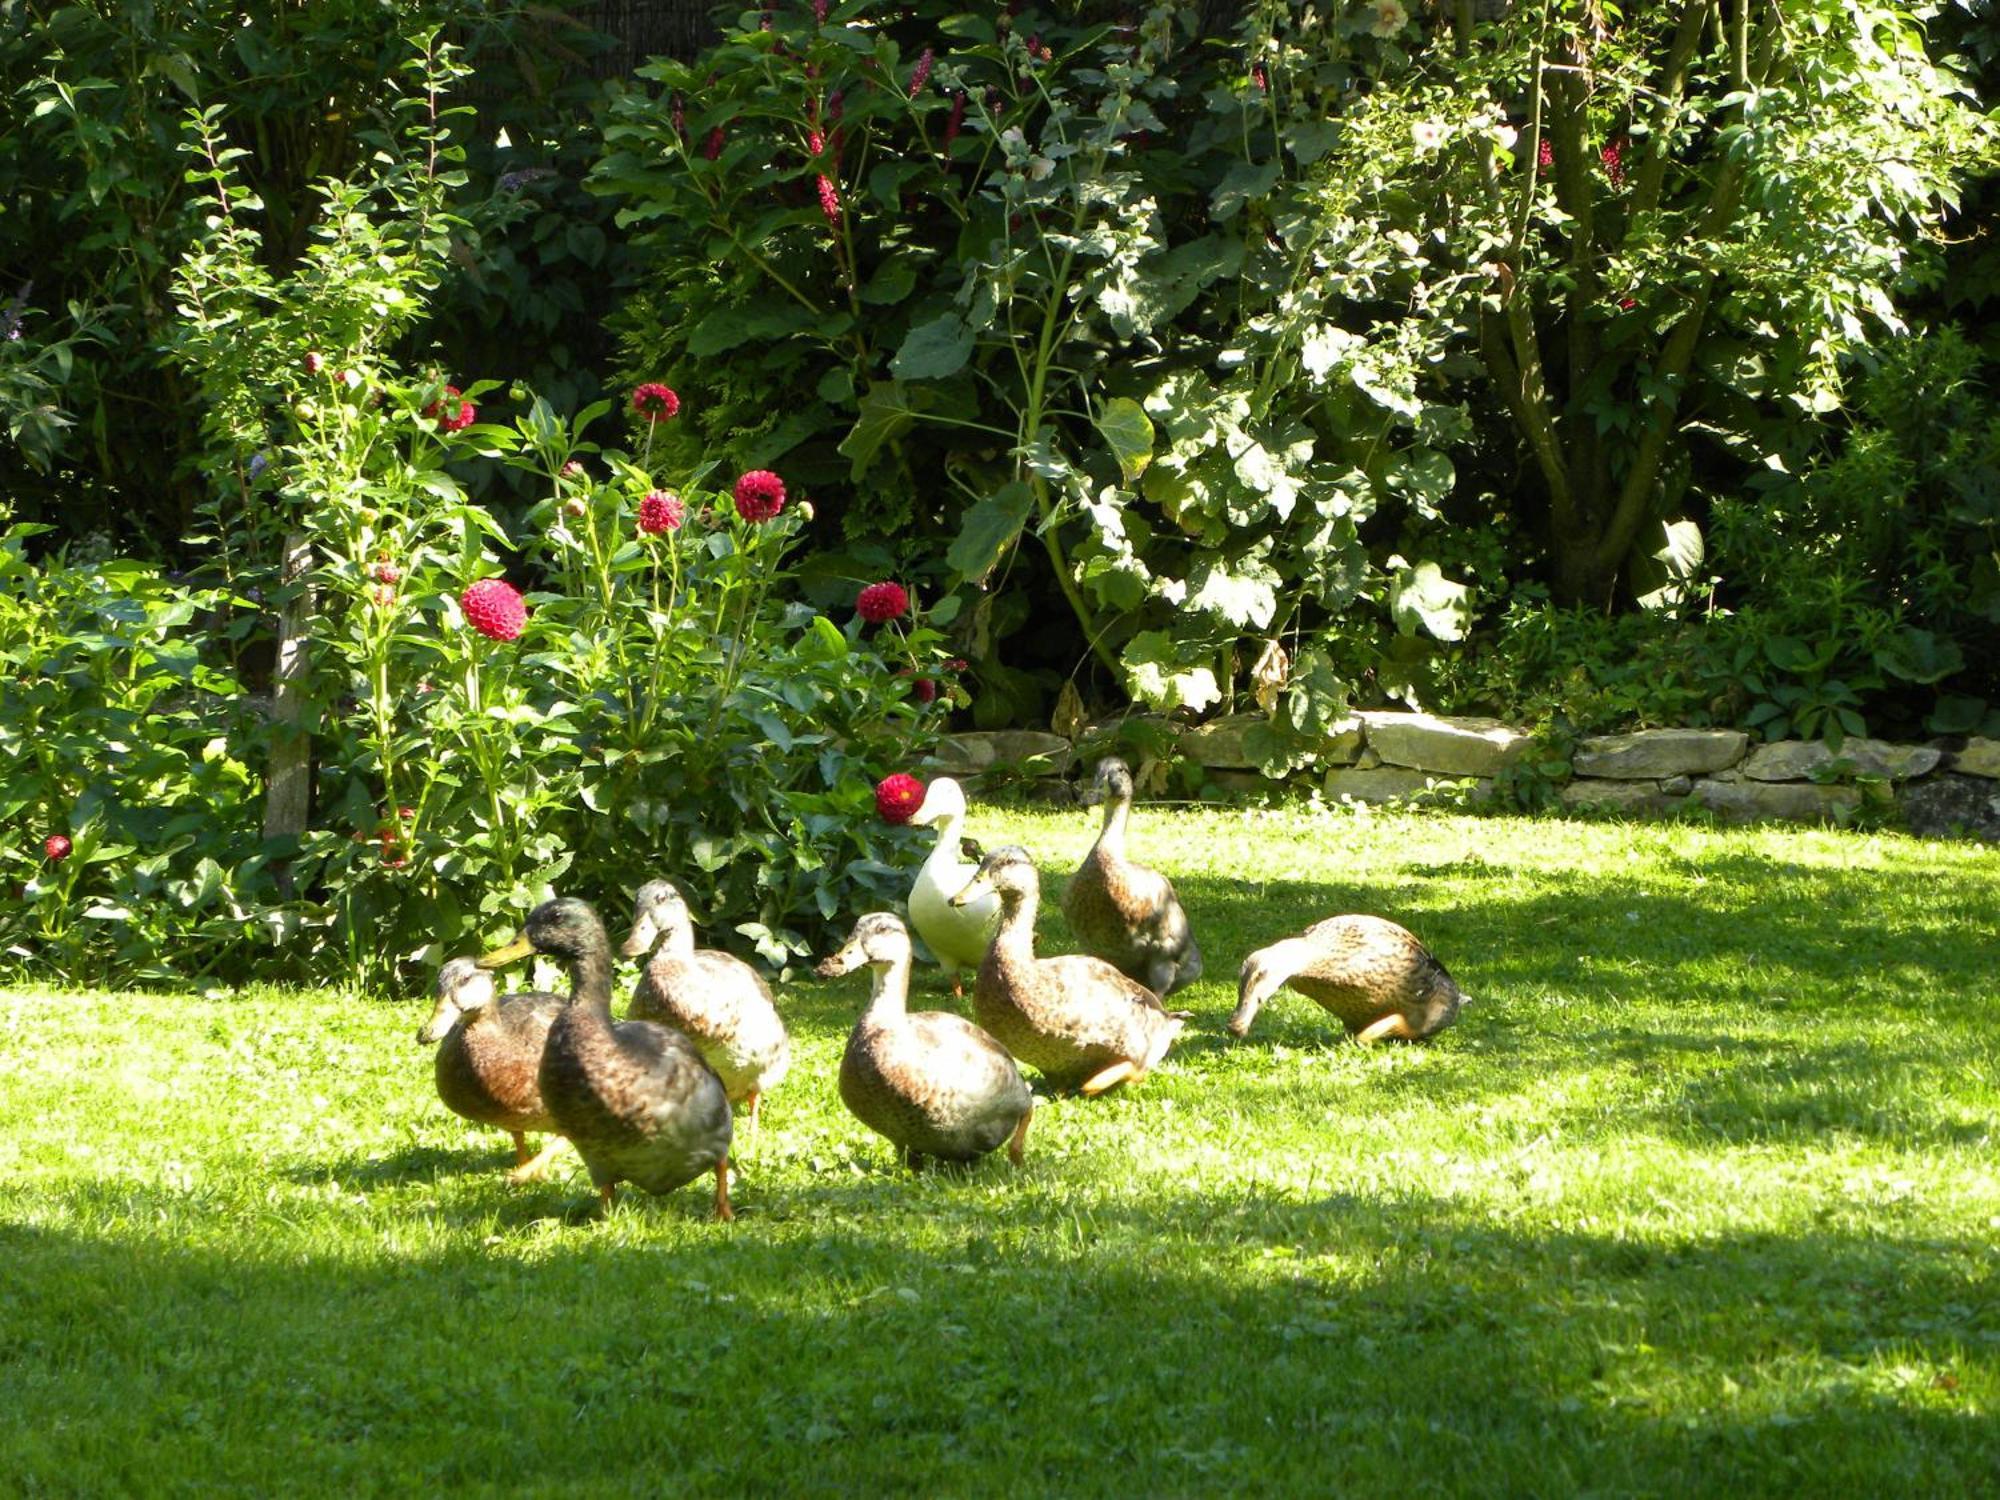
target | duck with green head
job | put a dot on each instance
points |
(635, 1098)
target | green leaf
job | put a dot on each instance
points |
(1128, 432)
(1919, 656)
(988, 529)
(886, 415)
(1423, 476)
(1243, 591)
(1423, 598)
(1164, 672)
(1240, 184)
(730, 327)
(934, 350)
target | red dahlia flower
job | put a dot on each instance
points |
(760, 495)
(57, 846)
(493, 607)
(654, 401)
(661, 512)
(882, 602)
(453, 414)
(898, 796)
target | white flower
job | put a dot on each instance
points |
(1504, 135)
(1013, 142)
(1039, 167)
(1428, 135)
(1389, 17)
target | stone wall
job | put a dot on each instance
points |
(1945, 788)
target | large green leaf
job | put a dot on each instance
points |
(933, 350)
(1243, 591)
(1421, 597)
(1167, 673)
(729, 327)
(988, 529)
(886, 414)
(1128, 432)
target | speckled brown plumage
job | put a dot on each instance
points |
(488, 1064)
(1364, 970)
(932, 1083)
(1121, 911)
(635, 1098)
(1070, 1017)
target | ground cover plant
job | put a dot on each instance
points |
(1699, 1192)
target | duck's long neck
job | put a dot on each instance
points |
(889, 990)
(590, 980)
(1015, 941)
(676, 940)
(946, 850)
(1111, 837)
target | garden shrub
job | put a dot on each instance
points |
(610, 685)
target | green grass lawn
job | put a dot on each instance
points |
(1702, 1192)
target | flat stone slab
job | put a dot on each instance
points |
(1952, 806)
(1784, 801)
(1385, 784)
(1444, 747)
(981, 750)
(1645, 799)
(1798, 760)
(1980, 757)
(1220, 743)
(1649, 753)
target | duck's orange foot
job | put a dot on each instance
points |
(723, 1211)
(1017, 1148)
(1119, 1072)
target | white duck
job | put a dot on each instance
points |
(958, 935)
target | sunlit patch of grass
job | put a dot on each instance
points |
(1702, 1191)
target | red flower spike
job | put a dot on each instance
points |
(387, 572)
(898, 796)
(661, 512)
(922, 75)
(57, 846)
(494, 608)
(829, 200)
(713, 148)
(925, 689)
(955, 121)
(760, 495)
(1545, 154)
(654, 401)
(881, 602)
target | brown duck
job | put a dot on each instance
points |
(1375, 976)
(1123, 912)
(715, 999)
(932, 1084)
(635, 1098)
(1074, 1018)
(489, 1053)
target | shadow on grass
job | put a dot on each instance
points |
(1393, 1343)
(411, 1164)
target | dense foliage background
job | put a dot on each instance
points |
(1596, 367)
